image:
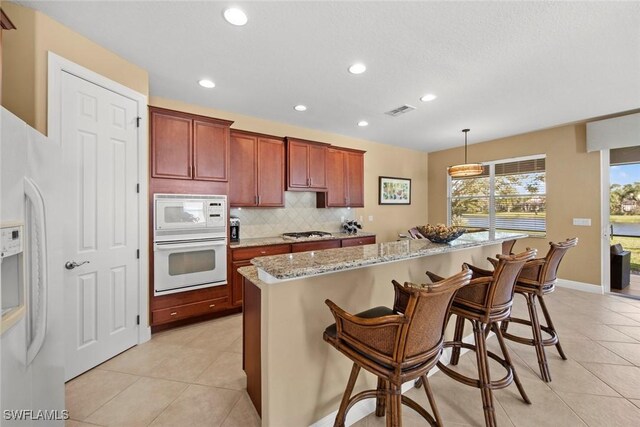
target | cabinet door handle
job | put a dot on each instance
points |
(258, 199)
(310, 181)
(211, 305)
(174, 313)
(263, 252)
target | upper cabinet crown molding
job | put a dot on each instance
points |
(306, 165)
(188, 146)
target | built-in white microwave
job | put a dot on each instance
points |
(190, 213)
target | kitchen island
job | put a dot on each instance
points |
(295, 378)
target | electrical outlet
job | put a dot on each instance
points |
(583, 222)
(342, 218)
(370, 218)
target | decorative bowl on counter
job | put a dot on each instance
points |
(441, 233)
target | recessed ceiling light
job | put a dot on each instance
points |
(207, 83)
(235, 16)
(363, 123)
(300, 107)
(428, 97)
(358, 68)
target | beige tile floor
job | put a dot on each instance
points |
(192, 376)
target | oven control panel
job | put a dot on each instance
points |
(216, 213)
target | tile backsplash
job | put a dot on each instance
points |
(299, 214)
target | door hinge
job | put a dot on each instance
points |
(138, 253)
(138, 121)
(137, 188)
(138, 319)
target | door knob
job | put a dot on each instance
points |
(70, 265)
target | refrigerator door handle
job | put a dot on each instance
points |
(38, 319)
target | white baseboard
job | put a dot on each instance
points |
(368, 406)
(579, 286)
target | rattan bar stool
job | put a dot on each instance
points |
(537, 279)
(397, 345)
(484, 302)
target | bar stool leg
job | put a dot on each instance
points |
(381, 400)
(545, 374)
(432, 401)
(457, 337)
(547, 318)
(507, 358)
(394, 406)
(342, 412)
(484, 378)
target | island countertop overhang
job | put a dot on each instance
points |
(279, 268)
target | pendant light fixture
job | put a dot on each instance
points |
(466, 169)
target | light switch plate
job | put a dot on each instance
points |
(584, 222)
(370, 217)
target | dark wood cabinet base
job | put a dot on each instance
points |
(191, 320)
(251, 356)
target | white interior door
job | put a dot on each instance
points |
(99, 143)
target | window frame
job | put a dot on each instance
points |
(492, 188)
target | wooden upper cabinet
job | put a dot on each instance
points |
(355, 178)
(298, 165)
(306, 165)
(271, 166)
(210, 151)
(170, 146)
(242, 177)
(187, 146)
(345, 179)
(257, 170)
(336, 178)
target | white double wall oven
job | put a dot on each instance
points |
(190, 242)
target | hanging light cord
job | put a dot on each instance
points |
(465, 144)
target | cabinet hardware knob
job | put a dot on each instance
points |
(174, 313)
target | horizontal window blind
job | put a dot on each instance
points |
(508, 196)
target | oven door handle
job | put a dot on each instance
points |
(174, 246)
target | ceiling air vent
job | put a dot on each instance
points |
(401, 110)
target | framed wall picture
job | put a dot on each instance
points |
(394, 191)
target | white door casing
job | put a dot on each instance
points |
(100, 155)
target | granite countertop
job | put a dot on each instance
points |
(279, 240)
(276, 268)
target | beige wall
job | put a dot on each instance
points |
(24, 62)
(573, 191)
(380, 160)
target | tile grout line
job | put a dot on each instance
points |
(114, 396)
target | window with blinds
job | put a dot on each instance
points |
(507, 196)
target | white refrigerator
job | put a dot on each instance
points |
(31, 344)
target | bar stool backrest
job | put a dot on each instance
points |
(504, 278)
(549, 271)
(427, 307)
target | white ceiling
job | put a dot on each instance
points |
(499, 68)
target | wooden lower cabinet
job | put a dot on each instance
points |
(172, 314)
(236, 282)
(358, 241)
(241, 257)
(315, 246)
